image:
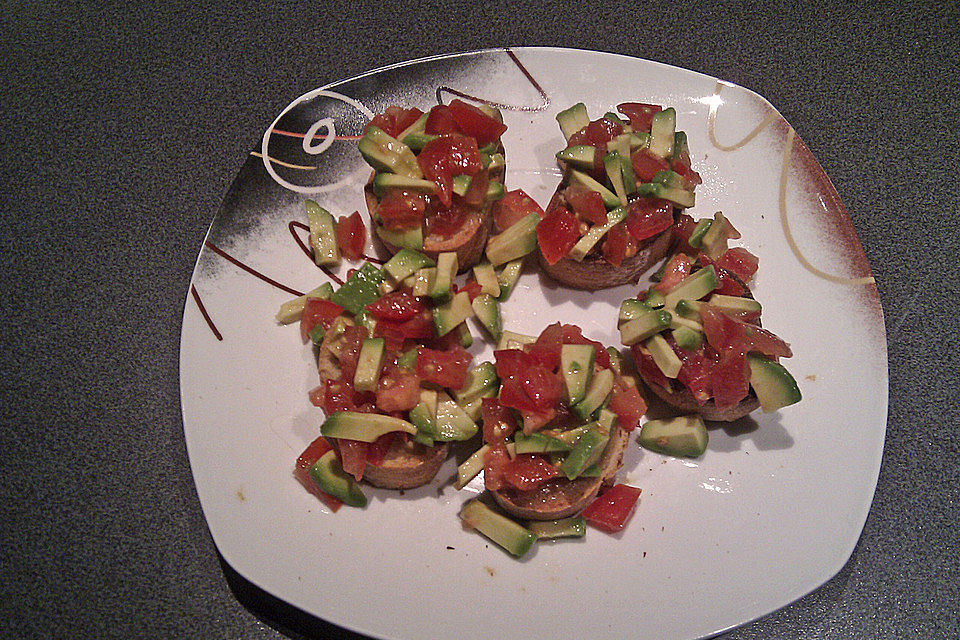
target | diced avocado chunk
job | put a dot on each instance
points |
(323, 236)
(589, 240)
(688, 309)
(687, 338)
(734, 304)
(360, 289)
(419, 126)
(644, 326)
(417, 141)
(670, 179)
(366, 320)
(422, 282)
(508, 277)
(470, 468)
(451, 313)
(333, 480)
(693, 287)
(573, 119)
(384, 181)
(677, 321)
(408, 358)
(663, 355)
(584, 453)
(639, 140)
(487, 310)
(696, 236)
(683, 436)
(619, 144)
(616, 361)
(513, 340)
(610, 199)
(365, 427)
(579, 156)
(676, 195)
(516, 539)
(773, 384)
(292, 310)
(369, 364)
(716, 238)
(491, 111)
(654, 298)
(662, 129)
(385, 153)
(631, 309)
(601, 383)
(405, 263)
(481, 378)
(576, 365)
(572, 527)
(423, 416)
(474, 408)
(611, 163)
(410, 238)
(463, 335)
(515, 242)
(494, 162)
(452, 422)
(447, 267)
(461, 183)
(538, 443)
(487, 279)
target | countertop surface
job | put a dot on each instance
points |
(124, 127)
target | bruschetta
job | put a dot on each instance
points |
(436, 177)
(624, 181)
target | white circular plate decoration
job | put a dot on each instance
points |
(769, 513)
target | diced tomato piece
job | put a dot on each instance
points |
(684, 171)
(476, 193)
(542, 386)
(513, 207)
(629, 406)
(557, 233)
(353, 456)
(683, 228)
(614, 245)
(528, 471)
(678, 268)
(317, 311)
(445, 368)
(725, 333)
(513, 365)
(646, 165)
(447, 156)
(338, 395)
(377, 450)
(349, 354)
(646, 217)
(494, 462)
(696, 371)
(536, 420)
(572, 334)
(440, 122)
(547, 347)
(419, 327)
(445, 223)
(730, 379)
(400, 209)
(474, 122)
(472, 287)
(301, 471)
(498, 421)
(586, 203)
(396, 305)
(599, 132)
(611, 510)
(394, 120)
(398, 390)
(640, 114)
(647, 367)
(351, 236)
(740, 261)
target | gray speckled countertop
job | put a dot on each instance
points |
(123, 127)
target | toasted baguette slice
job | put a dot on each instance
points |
(405, 465)
(561, 498)
(596, 273)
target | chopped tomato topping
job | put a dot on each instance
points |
(474, 122)
(547, 347)
(695, 373)
(353, 457)
(525, 384)
(586, 203)
(317, 311)
(682, 230)
(472, 287)
(476, 193)
(599, 132)
(394, 120)
(614, 246)
(646, 165)
(611, 510)
(528, 471)
(557, 233)
(349, 353)
(640, 114)
(400, 209)
(301, 471)
(396, 305)
(351, 236)
(648, 368)
(447, 222)
(377, 450)
(740, 261)
(447, 156)
(534, 421)
(494, 462)
(678, 268)
(440, 121)
(646, 217)
(335, 395)
(683, 169)
(730, 379)
(725, 333)
(498, 421)
(513, 207)
(398, 390)
(629, 406)
(445, 368)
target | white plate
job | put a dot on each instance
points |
(765, 516)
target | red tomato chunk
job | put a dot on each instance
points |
(611, 510)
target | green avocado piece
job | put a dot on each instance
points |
(486, 277)
(323, 236)
(332, 480)
(601, 383)
(734, 304)
(360, 289)
(716, 237)
(508, 277)
(644, 325)
(419, 126)
(292, 310)
(470, 468)
(448, 315)
(417, 141)
(410, 238)
(487, 310)
(773, 384)
(687, 339)
(385, 153)
(482, 377)
(572, 527)
(589, 240)
(612, 165)
(452, 422)
(654, 298)
(663, 355)
(405, 263)
(365, 427)
(579, 156)
(684, 436)
(681, 197)
(423, 416)
(693, 287)
(631, 309)
(584, 453)
(368, 366)
(515, 242)
(610, 199)
(514, 340)
(573, 119)
(538, 443)
(516, 539)
(384, 181)
(576, 366)
(447, 267)
(696, 236)
(662, 129)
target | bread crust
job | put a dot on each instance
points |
(405, 465)
(561, 498)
